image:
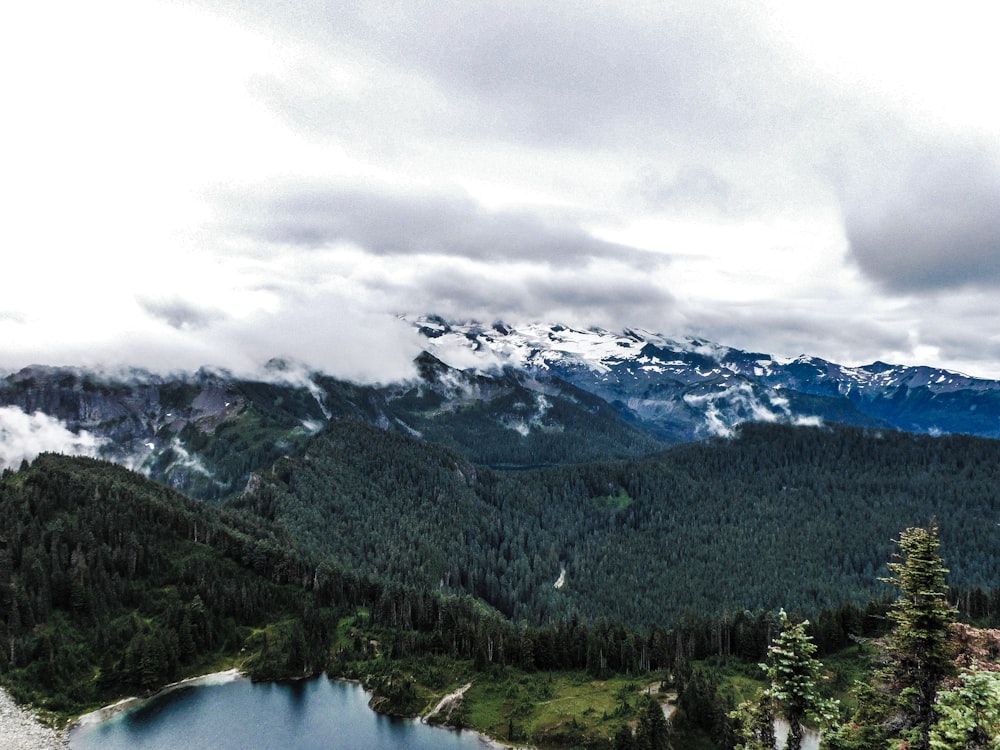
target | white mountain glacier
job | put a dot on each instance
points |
(544, 347)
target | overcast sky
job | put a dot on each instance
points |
(224, 181)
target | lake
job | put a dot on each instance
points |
(241, 715)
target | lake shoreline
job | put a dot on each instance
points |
(126, 705)
(131, 703)
(191, 718)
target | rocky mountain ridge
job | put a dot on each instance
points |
(499, 395)
(693, 388)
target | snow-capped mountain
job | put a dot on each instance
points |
(694, 388)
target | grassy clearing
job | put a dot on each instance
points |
(618, 501)
(565, 709)
(844, 669)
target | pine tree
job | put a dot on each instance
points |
(918, 649)
(755, 721)
(653, 731)
(792, 695)
(969, 714)
(794, 675)
(898, 705)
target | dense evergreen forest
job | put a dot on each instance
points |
(110, 583)
(370, 550)
(779, 516)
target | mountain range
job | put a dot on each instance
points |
(501, 396)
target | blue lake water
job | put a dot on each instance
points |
(240, 715)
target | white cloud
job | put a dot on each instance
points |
(23, 436)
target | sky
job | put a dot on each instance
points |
(219, 182)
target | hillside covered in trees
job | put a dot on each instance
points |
(778, 516)
(370, 549)
(111, 584)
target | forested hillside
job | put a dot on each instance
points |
(354, 557)
(779, 516)
(109, 582)
(112, 585)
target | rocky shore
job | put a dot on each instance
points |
(21, 730)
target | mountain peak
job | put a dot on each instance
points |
(660, 378)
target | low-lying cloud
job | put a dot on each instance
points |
(23, 436)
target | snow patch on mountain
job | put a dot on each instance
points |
(538, 346)
(656, 377)
(472, 346)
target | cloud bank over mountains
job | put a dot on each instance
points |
(243, 180)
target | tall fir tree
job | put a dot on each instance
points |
(897, 707)
(918, 648)
(793, 694)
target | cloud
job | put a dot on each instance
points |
(844, 334)
(23, 436)
(395, 223)
(328, 332)
(956, 331)
(553, 74)
(178, 313)
(350, 332)
(697, 167)
(691, 186)
(928, 220)
(610, 294)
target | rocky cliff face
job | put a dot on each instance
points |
(129, 407)
(164, 427)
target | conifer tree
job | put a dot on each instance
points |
(969, 713)
(793, 695)
(654, 731)
(918, 649)
(898, 705)
(755, 722)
